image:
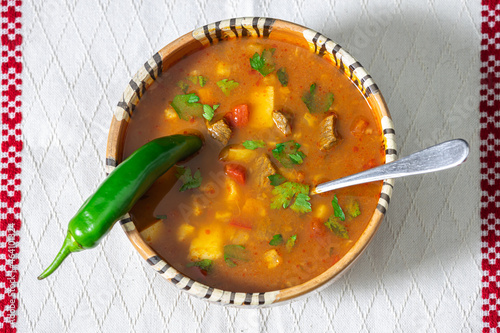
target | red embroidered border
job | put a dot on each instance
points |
(11, 145)
(489, 108)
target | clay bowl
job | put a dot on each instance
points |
(250, 27)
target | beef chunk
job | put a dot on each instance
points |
(281, 122)
(220, 131)
(264, 168)
(328, 133)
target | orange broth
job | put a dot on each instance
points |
(194, 225)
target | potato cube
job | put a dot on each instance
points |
(232, 190)
(253, 207)
(207, 244)
(240, 237)
(310, 119)
(272, 258)
(254, 48)
(261, 107)
(237, 153)
(223, 215)
(223, 69)
(184, 231)
(170, 113)
(321, 211)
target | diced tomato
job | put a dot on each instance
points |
(238, 117)
(359, 125)
(236, 172)
(318, 228)
(239, 224)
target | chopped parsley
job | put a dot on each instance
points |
(286, 192)
(264, 63)
(276, 179)
(338, 228)
(161, 217)
(301, 204)
(277, 240)
(288, 154)
(282, 76)
(337, 210)
(333, 222)
(189, 181)
(254, 144)
(234, 252)
(353, 208)
(290, 243)
(209, 111)
(316, 103)
(297, 158)
(187, 106)
(226, 86)
(183, 85)
(204, 264)
(197, 79)
(202, 80)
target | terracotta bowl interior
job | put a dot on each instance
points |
(255, 27)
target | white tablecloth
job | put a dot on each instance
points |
(422, 270)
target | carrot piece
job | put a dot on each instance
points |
(238, 117)
(236, 172)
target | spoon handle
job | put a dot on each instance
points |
(439, 157)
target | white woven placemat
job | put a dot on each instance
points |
(420, 273)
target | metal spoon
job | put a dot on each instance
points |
(436, 158)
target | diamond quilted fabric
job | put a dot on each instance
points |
(421, 273)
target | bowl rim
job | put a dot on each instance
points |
(261, 27)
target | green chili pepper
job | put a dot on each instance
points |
(120, 191)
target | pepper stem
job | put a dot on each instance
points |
(70, 245)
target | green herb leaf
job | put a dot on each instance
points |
(276, 179)
(161, 217)
(234, 252)
(202, 80)
(197, 79)
(193, 79)
(288, 154)
(282, 76)
(290, 243)
(226, 86)
(297, 158)
(204, 264)
(338, 228)
(301, 204)
(353, 208)
(284, 193)
(256, 62)
(192, 98)
(264, 63)
(208, 111)
(186, 106)
(277, 240)
(337, 210)
(254, 144)
(183, 85)
(189, 181)
(316, 103)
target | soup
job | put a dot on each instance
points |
(276, 121)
